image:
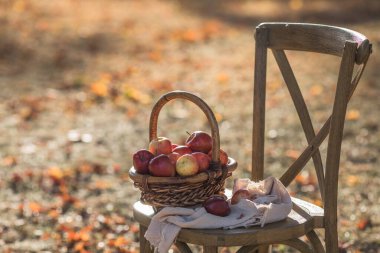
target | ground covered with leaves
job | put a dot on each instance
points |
(78, 81)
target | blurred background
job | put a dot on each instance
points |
(78, 80)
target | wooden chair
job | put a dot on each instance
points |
(353, 48)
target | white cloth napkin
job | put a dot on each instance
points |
(272, 204)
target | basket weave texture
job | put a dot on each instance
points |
(184, 191)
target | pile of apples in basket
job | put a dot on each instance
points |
(166, 159)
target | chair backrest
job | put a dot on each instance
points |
(353, 48)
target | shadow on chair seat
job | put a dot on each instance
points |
(303, 218)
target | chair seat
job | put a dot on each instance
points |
(303, 218)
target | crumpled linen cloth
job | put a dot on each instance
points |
(273, 203)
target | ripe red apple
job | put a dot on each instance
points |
(174, 157)
(182, 150)
(141, 161)
(203, 160)
(187, 165)
(161, 145)
(217, 205)
(199, 142)
(161, 166)
(223, 157)
(174, 146)
(238, 195)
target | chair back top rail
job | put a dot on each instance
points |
(315, 38)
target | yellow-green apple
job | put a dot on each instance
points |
(187, 165)
(199, 142)
(161, 166)
(203, 160)
(240, 194)
(141, 161)
(223, 157)
(174, 157)
(182, 150)
(161, 145)
(217, 205)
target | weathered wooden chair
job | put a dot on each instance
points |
(353, 48)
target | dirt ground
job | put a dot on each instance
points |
(78, 80)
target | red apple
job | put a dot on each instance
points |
(161, 166)
(187, 165)
(199, 142)
(238, 195)
(223, 157)
(141, 161)
(161, 145)
(174, 146)
(203, 160)
(217, 205)
(174, 157)
(182, 150)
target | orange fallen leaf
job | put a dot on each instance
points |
(212, 27)
(102, 185)
(9, 161)
(353, 115)
(316, 90)
(100, 87)
(35, 207)
(352, 180)
(223, 78)
(364, 223)
(155, 56)
(137, 95)
(54, 214)
(291, 153)
(55, 173)
(79, 246)
(301, 179)
(121, 241)
(191, 35)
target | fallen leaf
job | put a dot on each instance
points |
(352, 180)
(222, 78)
(55, 173)
(137, 95)
(211, 28)
(155, 56)
(191, 35)
(121, 241)
(53, 214)
(353, 115)
(9, 161)
(35, 207)
(363, 224)
(293, 154)
(100, 87)
(102, 185)
(316, 90)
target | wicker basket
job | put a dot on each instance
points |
(184, 191)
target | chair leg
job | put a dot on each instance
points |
(315, 242)
(145, 247)
(182, 247)
(210, 249)
(264, 249)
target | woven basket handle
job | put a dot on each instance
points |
(215, 158)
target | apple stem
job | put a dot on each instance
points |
(188, 133)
